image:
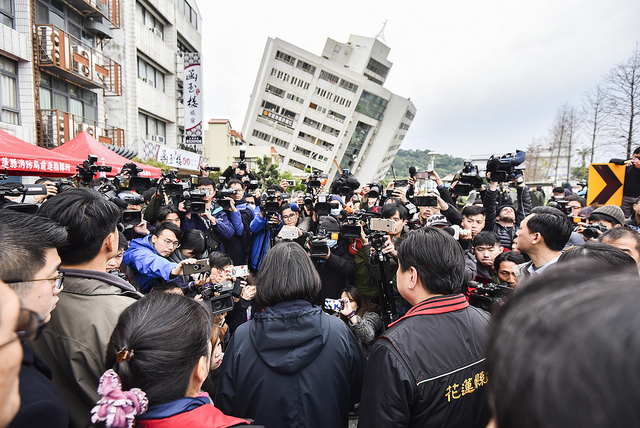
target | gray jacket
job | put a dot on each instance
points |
(74, 343)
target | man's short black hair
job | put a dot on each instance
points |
(24, 239)
(552, 224)
(165, 210)
(599, 252)
(276, 187)
(486, 238)
(172, 227)
(507, 256)
(234, 181)
(389, 210)
(218, 260)
(89, 218)
(616, 233)
(563, 349)
(582, 201)
(206, 181)
(436, 256)
(471, 210)
(636, 151)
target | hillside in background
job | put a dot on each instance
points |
(444, 164)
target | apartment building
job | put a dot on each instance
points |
(329, 112)
(109, 67)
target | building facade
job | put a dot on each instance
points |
(331, 112)
(109, 67)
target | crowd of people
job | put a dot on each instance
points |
(305, 309)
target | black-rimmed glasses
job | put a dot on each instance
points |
(28, 327)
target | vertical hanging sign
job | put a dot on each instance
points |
(192, 98)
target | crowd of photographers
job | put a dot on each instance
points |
(373, 257)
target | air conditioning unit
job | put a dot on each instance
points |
(157, 32)
(159, 139)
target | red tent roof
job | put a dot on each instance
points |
(21, 158)
(83, 145)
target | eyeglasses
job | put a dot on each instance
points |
(170, 243)
(28, 327)
(287, 217)
(59, 279)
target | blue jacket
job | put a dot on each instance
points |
(261, 237)
(238, 246)
(223, 228)
(147, 264)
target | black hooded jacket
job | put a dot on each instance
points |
(292, 366)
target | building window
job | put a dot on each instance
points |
(295, 98)
(64, 17)
(150, 74)
(349, 86)
(285, 57)
(189, 13)
(280, 74)
(152, 129)
(296, 164)
(275, 90)
(330, 130)
(300, 83)
(56, 94)
(337, 116)
(280, 142)
(270, 106)
(6, 13)
(306, 66)
(262, 135)
(325, 75)
(409, 115)
(371, 105)
(10, 112)
(355, 144)
(378, 68)
(148, 20)
(312, 123)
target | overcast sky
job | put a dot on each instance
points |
(485, 76)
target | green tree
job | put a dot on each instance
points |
(443, 164)
(267, 173)
(152, 162)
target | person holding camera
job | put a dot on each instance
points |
(264, 226)
(148, 256)
(213, 222)
(360, 315)
(238, 246)
(504, 220)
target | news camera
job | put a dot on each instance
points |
(12, 189)
(194, 200)
(243, 163)
(315, 181)
(270, 204)
(219, 296)
(468, 178)
(375, 190)
(345, 185)
(170, 184)
(88, 169)
(63, 184)
(221, 196)
(489, 296)
(355, 223)
(503, 168)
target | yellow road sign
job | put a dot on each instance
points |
(606, 181)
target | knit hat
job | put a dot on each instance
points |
(612, 211)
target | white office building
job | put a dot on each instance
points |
(329, 111)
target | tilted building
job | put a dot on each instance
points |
(328, 112)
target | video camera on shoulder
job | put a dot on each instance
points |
(219, 296)
(355, 224)
(468, 178)
(221, 196)
(194, 200)
(503, 169)
(88, 169)
(170, 183)
(13, 189)
(270, 203)
(489, 296)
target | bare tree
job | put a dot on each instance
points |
(624, 99)
(562, 139)
(595, 117)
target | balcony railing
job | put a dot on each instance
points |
(74, 60)
(58, 127)
(110, 9)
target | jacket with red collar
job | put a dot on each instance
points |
(426, 369)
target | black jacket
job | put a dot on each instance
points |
(292, 366)
(426, 370)
(41, 404)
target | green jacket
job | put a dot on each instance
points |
(74, 343)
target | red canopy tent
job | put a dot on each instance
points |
(83, 145)
(21, 158)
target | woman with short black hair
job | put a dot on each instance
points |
(292, 364)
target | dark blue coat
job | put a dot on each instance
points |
(41, 404)
(292, 365)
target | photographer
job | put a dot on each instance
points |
(192, 246)
(601, 220)
(148, 256)
(504, 220)
(263, 227)
(336, 268)
(213, 222)
(371, 194)
(238, 246)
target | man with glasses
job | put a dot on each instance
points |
(30, 262)
(148, 256)
(75, 341)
